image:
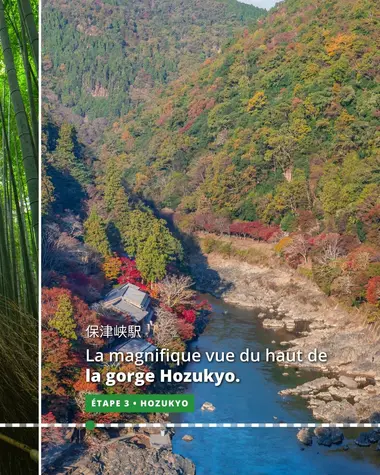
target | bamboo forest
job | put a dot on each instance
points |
(19, 232)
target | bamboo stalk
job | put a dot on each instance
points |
(27, 14)
(33, 454)
(29, 281)
(28, 152)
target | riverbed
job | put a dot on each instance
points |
(255, 398)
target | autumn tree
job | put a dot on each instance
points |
(82, 388)
(298, 247)
(58, 367)
(165, 328)
(63, 320)
(176, 290)
(373, 290)
(112, 267)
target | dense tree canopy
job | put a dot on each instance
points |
(101, 58)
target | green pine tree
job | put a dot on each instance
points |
(112, 184)
(64, 157)
(95, 234)
(151, 261)
(121, 209)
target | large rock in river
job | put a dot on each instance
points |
(207, 406)
(328, 436)
(305, 436)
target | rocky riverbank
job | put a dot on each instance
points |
(138, 453)
(350, 391)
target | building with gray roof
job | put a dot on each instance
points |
(130, 300)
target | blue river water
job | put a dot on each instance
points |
(257, 451)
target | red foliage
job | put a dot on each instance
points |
(51, 435)
(58, 363)
(189, 315)
(82, 314)
(185, 329)
(373, 290)
(354, 259)
(49, 302)
(129, 272)
(371, 220)
(316, 241)
(212, 224)
(78, 278)
(186, 127)
(87, 287)
(82, 385)
(255, 230)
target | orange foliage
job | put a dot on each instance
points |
(342, 42)
(111, 267)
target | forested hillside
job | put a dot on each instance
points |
(281, 129)
(101, 57)
(275, 138)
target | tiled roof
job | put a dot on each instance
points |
(128, 293)
(134, 345)
(135, 312)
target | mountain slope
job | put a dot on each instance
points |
(101, 57)
(284, 120)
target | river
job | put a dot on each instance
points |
(263, 451)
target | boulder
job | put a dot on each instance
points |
(273, 323)
(325, 396)
(305, 436)
(207, 406)
(187, 438)
(335, 411)
(374, 436)
(348, 382)
(317, 385)
(328, 436)
(290, 324)
(363, 440)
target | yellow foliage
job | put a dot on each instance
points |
(340, 43)
(140, 181)
(283, 244)
(310, 71)
(344, 120)
(258, 101)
